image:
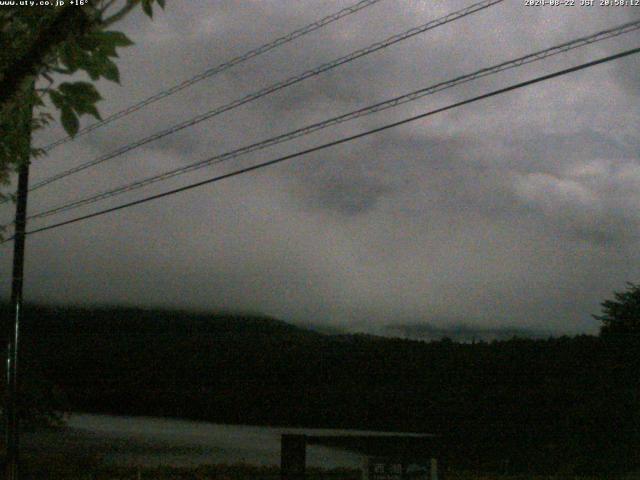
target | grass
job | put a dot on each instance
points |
(241, 472)
(89, 468)
(60, 468)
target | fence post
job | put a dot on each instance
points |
(434, 469)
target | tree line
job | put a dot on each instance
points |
(545, 405)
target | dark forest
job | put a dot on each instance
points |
(553, 405)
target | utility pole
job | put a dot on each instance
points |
(12, 386)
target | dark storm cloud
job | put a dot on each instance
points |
(519, 211)
(347, 195)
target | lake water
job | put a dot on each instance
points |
(159, 441)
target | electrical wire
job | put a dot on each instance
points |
(409, 97)
(340, 141)
(217, 69)
(272, 88)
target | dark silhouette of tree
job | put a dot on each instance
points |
(621, 316)
(546, 405)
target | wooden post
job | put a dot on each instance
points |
(13, 385)
(434, 469)
(365, 467)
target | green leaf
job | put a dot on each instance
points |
(91, 110)
(69, 56)
(89, 42)
(81, 107)
(93, 71)
(80, 91)
(84, 60)
(111, 72)
(57, 99)
(117, 39)
(106, 50)
(37, 101)
(69, 121)
(78, 97)
(146, 8)
(99, 66)
(161, 3)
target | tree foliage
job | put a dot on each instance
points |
(40, 44)
(621, 316)
(546, 405)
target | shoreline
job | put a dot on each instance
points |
(153, 442)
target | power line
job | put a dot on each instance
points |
(412, 96)
(341, 141)
(273, 88)
(217, 69)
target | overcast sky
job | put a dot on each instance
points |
(521, 210)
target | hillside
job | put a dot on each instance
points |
(542, 404)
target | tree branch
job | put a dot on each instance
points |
(107, 6)
(131, 4)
